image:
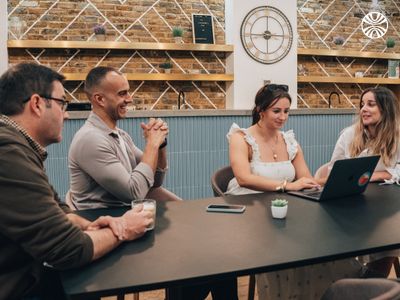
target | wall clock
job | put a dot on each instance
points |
(266, 34)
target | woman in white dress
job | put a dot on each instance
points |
(375, 132)
(264, 158)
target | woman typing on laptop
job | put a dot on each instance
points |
(264, 158)
(376, 132)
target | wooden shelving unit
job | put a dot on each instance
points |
(351, 54)
(334, 79)
(161, 77)
(343, 53)
(109, 45)
(23, 44)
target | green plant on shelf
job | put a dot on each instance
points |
(338, 40)
(390, 42)
(279, 202)
(177, 32)
(166, 65)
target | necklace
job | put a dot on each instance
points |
(273, 148)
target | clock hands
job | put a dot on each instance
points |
(266, 34)
(260, 35)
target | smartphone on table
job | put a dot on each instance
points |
(227, 208)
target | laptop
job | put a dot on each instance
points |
(348, 177)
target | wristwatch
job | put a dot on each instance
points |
(165, 143)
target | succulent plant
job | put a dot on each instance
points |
(166, 65)
(177, 31)
(99, 29)
(390, 42)
(338, 40)
(279, 202)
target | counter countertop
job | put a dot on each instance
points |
(214, 112)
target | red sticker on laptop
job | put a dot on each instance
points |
(364, 178)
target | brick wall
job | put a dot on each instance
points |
(127, 21)
(319, 21)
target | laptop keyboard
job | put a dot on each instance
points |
(312, 192)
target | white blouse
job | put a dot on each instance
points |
(342, 151)
(280, 171)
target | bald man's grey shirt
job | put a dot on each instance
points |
(101, 173)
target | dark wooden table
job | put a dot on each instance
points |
(190, 244)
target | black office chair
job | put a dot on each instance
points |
(220, 180)
(219, 183)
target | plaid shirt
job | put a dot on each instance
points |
(35, 145)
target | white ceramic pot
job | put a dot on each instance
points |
(279, 212)
(178, 39)
(100, 37)
(167, 70)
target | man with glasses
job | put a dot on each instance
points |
(106, 168)
(35, 227)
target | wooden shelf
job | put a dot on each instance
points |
(334, 79)
(15, 44)
(344, 53)
(161, 77)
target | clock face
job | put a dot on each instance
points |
(266, 34)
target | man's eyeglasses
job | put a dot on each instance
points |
(62, 102)
(275, 87)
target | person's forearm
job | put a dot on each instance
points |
(321, 181)
(258, 183)
(380, 176)
(162, 158)
(103, 242)
(78, 221)
(150, 156)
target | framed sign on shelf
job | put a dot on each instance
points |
(203, 29)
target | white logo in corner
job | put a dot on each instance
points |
(374, 25)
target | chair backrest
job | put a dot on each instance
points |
(220, 180)
(322, 171)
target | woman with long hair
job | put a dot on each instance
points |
(263, 157)
(375, 132)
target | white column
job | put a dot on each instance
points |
(3, 36)
(249, 74)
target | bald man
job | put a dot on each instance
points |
(106, 168)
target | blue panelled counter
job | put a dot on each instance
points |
(197, 144)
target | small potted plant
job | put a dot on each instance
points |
(393, 65)
(100, 32)
(390, 42)
(279, 208)
(177, 33)
(166, 66)
(338, 40)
